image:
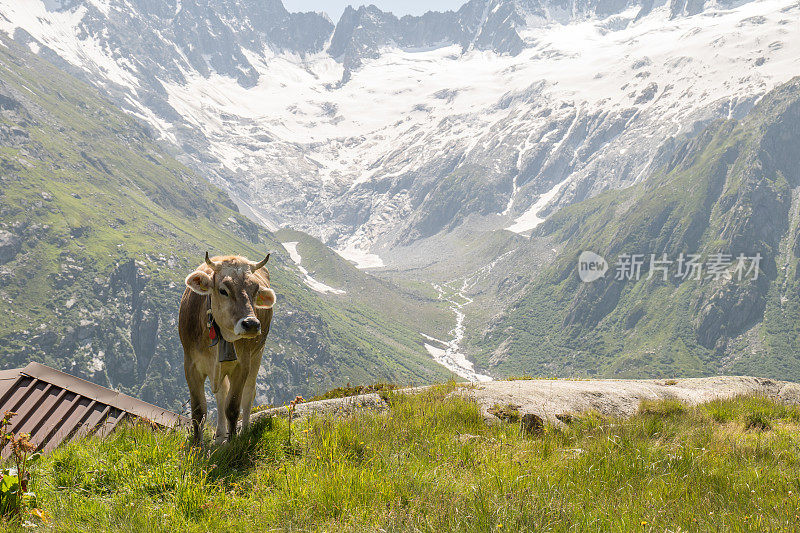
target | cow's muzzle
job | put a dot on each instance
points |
(248, 327)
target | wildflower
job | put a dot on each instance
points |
(22, 443)
(41, 515)
(644, 522)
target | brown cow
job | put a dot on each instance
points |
(238, 294)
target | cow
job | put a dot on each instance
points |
(228, 297)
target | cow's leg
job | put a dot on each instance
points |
(238, 378)
(248, 395)
(197, 396)
(222, 403)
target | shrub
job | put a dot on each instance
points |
(14, 494)
(507, 413)
(757, 420)
(662, 408)
(351, 390)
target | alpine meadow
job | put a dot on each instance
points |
(519, 265)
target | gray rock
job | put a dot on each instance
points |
(10, 246)
(554, 400)
(557, 401)
(334, 406)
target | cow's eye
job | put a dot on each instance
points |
(223, 292)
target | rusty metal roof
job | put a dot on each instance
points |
(55, 407)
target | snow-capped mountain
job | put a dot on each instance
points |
(380, 130)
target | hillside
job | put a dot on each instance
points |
(98, 228)
(427, 150)
(732, 189)
(431, 463)
(376, 131)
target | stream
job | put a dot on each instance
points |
(455, 293)
(451, 356)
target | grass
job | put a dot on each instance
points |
(430, 463)
(355, 390)
(662, 408)
(88, 192)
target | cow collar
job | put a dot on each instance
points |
(225, 352)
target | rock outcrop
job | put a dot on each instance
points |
(531, 402)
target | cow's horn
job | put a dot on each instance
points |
(255, 266)
(211, 263)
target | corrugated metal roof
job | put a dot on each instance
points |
(55, 407)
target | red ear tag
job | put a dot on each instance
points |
(212, 333)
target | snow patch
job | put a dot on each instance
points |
(253, 213)
(362, 258)
(433, 339)
(104, 6)
(403, 109)
(530, 218)
(313, 284)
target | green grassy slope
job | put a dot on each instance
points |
(99, 227)
(401, 303)
(430, 463)
(732, 189)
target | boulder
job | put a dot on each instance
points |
(10, 246)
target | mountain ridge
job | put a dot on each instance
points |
(414, 153)
(98, 229)
(290, 135)
(731, 190)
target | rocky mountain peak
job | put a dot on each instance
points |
(516, 107)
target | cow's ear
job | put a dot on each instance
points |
(199, 282)
(265, 298)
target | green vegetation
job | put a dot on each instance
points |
(398, 304)
(104, 225)
(15, 496)
(430, 463)
(507, 413)
(350, 390)
(663, 408)
(727, 190)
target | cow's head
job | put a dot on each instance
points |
(237, 288)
